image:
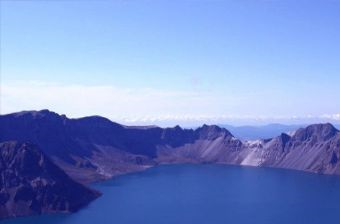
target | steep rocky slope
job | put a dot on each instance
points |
(88, 149)
(315, 148)
(31, 184)
(94, 148)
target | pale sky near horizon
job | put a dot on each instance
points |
(173, 62)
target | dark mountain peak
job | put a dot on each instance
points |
(46, 111)
(285, 136)
(318, 131)
(281, 141)
(212, 132)
(31, 184)
(36, 115)
(177, 127)
(96, 120)
(213, 128)
(177, 136)
(210, 127)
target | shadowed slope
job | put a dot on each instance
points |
(31, 184)
(94, 148)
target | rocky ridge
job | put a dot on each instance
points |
(94, 148)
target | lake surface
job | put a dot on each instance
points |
(209, 194)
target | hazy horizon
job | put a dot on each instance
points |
(188, 124)
(173, 62)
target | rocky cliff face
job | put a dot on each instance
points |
(212, 144)
(94, 148)
(315, 149)
(88, 149)
(31, 184)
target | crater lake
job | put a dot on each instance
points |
(208, 194)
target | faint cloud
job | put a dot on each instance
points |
(110, 101)
(331, 116)
(140, 106)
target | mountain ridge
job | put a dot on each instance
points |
(94, 148)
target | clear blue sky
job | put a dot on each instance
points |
(240, 61)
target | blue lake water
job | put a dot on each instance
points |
(209, 194)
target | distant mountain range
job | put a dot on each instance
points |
(261, 132)
(94, 148)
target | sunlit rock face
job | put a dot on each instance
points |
(315, 148)
(94, 148)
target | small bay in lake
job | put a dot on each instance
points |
(208, 194)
